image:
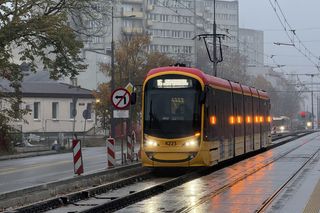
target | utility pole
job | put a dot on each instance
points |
(312, 102)
(215, 62)
(311, 75)
(112, 128)
(213, 57)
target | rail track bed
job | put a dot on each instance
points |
(184, 192)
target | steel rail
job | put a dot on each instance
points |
(268, 201)
(122, 202)
(71, 198)
(235, 181)
(133, 198)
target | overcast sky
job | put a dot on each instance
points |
(302, 15)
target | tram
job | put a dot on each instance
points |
(193, 119)
(281, 124)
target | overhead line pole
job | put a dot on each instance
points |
(215, 62)
(112, 129)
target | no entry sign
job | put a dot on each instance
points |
(120, 98)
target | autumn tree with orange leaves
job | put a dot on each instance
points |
(132, 62)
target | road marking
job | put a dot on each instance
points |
(11, 170)
(35, 166)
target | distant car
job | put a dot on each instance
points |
(33, 137)
(281, 125)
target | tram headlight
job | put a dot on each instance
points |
(282, 128)
(309, 124)
(151, 143)
(191, 143)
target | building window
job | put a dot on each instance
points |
(72, 111)
(55, 106)
(36, 110)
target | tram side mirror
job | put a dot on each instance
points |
(133, 98)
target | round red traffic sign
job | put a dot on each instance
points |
(120, 98)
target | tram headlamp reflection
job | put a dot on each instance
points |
(150, 143)
(191, 143)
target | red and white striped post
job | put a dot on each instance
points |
(129, 148)
(77, 156)
(111, 155)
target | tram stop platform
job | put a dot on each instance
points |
(302, 194)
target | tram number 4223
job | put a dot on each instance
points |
(171, 143)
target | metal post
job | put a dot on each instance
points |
(215, 62)
(312, 102)
(84, 131)
(112, 75)
(74, 113)
(317, 112)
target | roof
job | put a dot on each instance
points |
(53, 89)
(40, 85)
(213, 81)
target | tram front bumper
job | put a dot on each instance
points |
(171, 159)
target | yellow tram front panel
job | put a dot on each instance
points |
(185, 152)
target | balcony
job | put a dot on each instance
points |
(132, 1)
(131, 30)
(150, 7)
(136, 14)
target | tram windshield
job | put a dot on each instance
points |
(172, 107)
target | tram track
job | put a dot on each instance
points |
(270, 199)
(80, 199)
(234, 180)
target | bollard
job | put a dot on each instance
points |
(77, 156)
(111, 156)
(129, 149)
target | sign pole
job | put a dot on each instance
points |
(120, 99)
(84, 130)
(122, 152)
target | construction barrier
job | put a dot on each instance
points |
(111, 155)
(77, 156)
(131, 140)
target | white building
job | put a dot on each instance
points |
(51, 107)
(252, 46)
(172, 26)
(227, 19)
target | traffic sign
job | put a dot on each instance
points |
(86, 114)
(129, 87)
(120, 98)
(121, 113)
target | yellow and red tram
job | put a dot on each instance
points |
(190, 118)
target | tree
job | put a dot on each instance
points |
(45, 35)
(233, 66)
(102, 95)
(284, 98)
(133, 61)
